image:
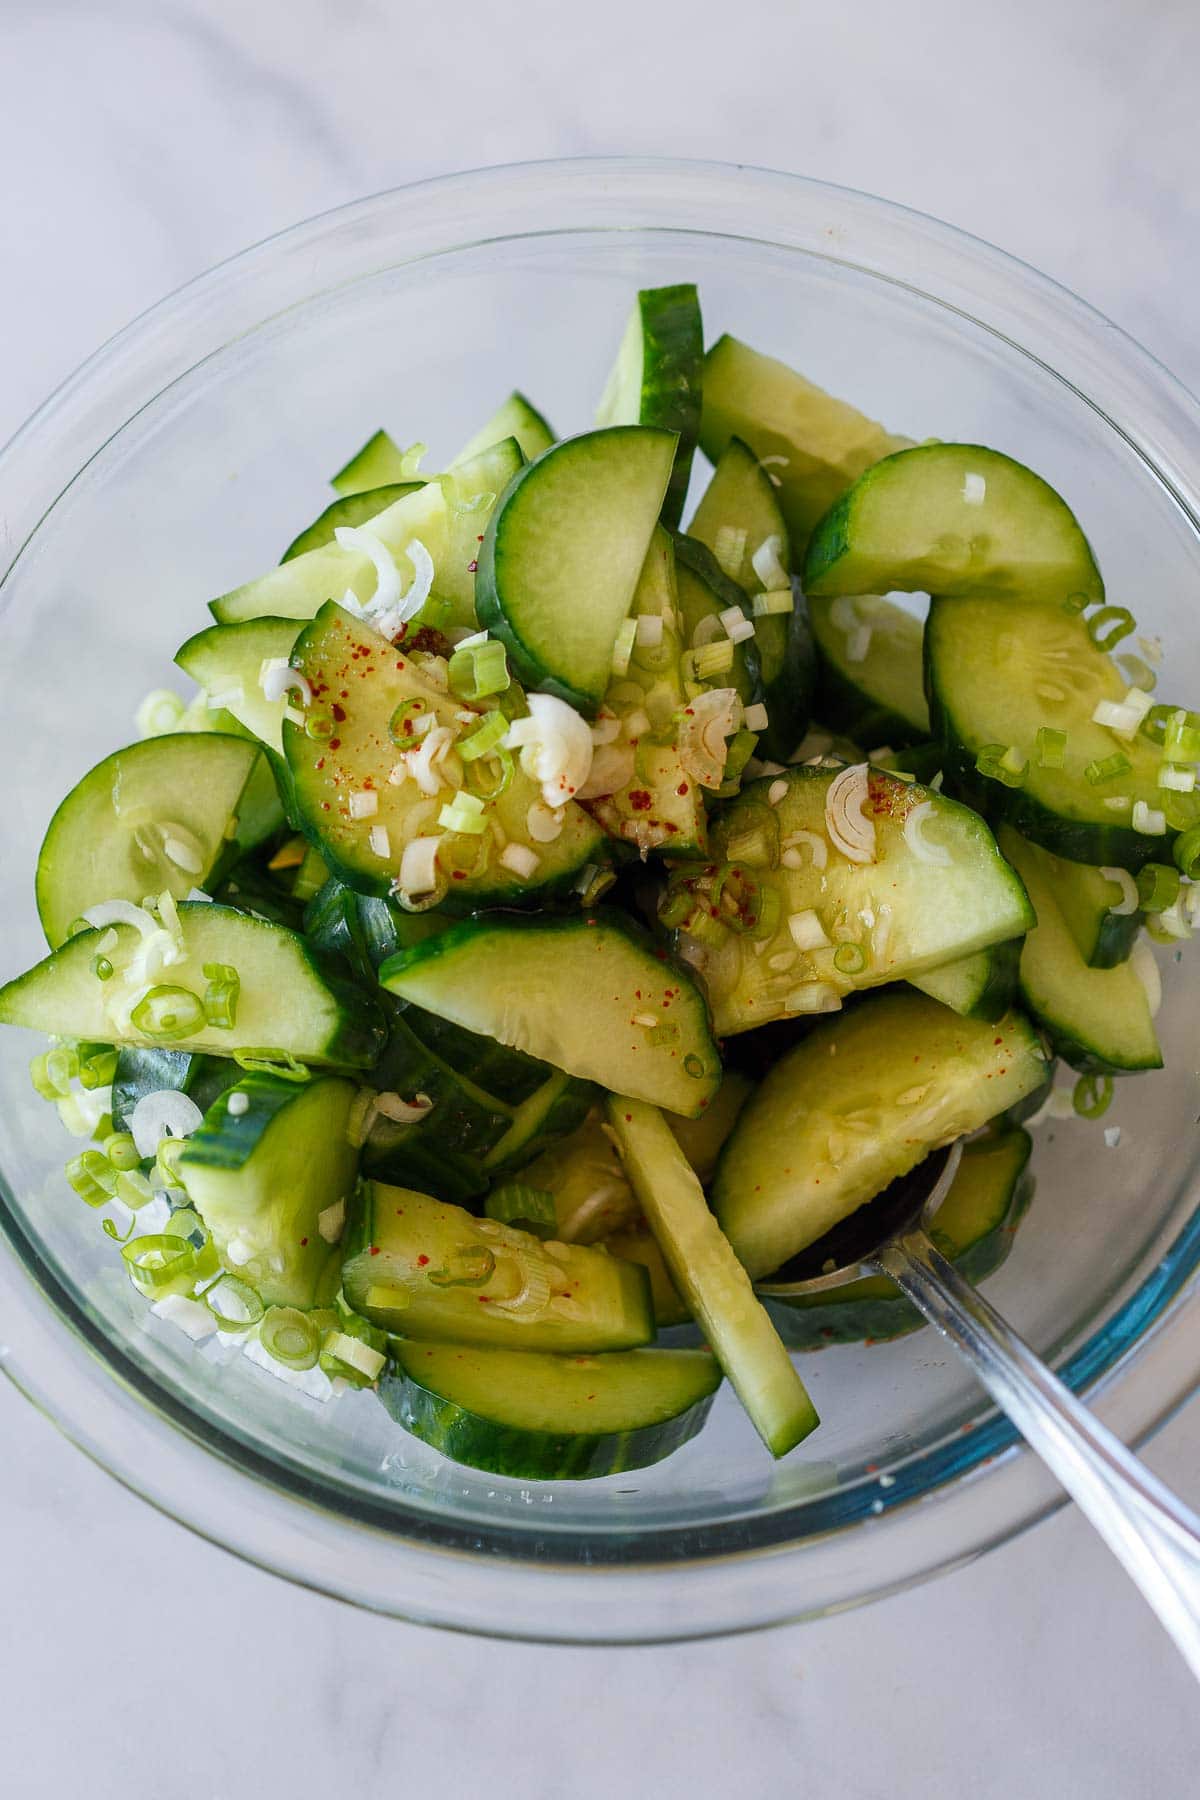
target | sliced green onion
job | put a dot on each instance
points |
(318, 725)
(485, 738)
(676, 906)
(705, 927)
(1154, 725)
(53, 1071)
(343, 1354)
(121, 1150)
(167, 1013)
(133, 1189)
(1108, 768)
(849, 959)
(597, 884)
(290, 1337)
(119, 1237)
(1051, 748)
(233, 1303)
(766, 918)
(411, 459)
(1092, 1095)
(159, 713)
(693, 1066)
(402, 724)
(464, 813)
(469, 1266)
(1181, 737)
(486, 784)
(530, 1208)
(1109, 625)
(742, 746)
(154, 1263)
(221, 995)
(1158, 887)
(271, 1062)
(712, 659)
(476, 670)
(93, 1177)
(1001, 762)
(1187, 853)
(773, 602)
(166, 1159)
(623, 647)
(1137, 672)
(1076, 603)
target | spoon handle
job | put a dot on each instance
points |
(1152, 1533)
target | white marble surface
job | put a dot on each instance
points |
(144, 139)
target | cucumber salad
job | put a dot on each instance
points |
(547, 921)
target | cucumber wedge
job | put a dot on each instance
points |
(738, 519)
(352, 509)
(516, 418)
(658, 806)
(871, 679)
(227, 662)
(287, 1005)
(656, 379)
(358, 682)
(982, 986)
(974, 1229)
(825, 1133)
(154, 816)
(562, 554)
(262, 1177)
(638, 1244)
(1086, 897)
(1095, 1019)
(781, 921)
(704, 592)
(591, 994)
(379, 462)
(996, 676)
(472, 489)
(310, 877)
(953, 519)
(148, 1071)
(550, 1418)
(709, 1276)
(813, 444)
(435, 1273)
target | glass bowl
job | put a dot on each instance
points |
(179, 461)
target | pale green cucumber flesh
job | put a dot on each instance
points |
(516, 418)
(590, 994)
(860, 1101)
(227, 662)
(433, 1272)
(1085, 897)
(350, 510)
(261, 1178)
(871, 680)
(953, 519)
(562, 554)
(155, 816)
(709, 1276)
(982, 986)
(379, 462)
(538, 1417)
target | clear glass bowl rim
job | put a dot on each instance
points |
(947, 1504)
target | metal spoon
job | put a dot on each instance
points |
(1152, 1533)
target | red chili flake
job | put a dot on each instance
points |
(471, 567)
(320, 762)
(335, 743)
(998, 1040)
(422, 1260)
(339, 712)
(479, 539)
(303, 1242)
(374, 1249)
(629, 1118)
(458, 875)
(344, 692)
(682, 788)
(325, 806)
(483, 1299)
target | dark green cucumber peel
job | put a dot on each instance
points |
(526, 1415)
(982, 986)
(657, 378)
(352, 509)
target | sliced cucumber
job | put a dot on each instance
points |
(156, 815)
(997, 675)
(656, 379)
(311, 876)
(1086, 897)
(516, 418)
(149, 1071)
(953, 519)
(739, 519)
(358, 682)
(702, 1139)
(261, 813)
(550, 1418)
(589, 994)
(709, 1276)
(472, 488)
(352, 509)
(434, 1272)
(287, 1004)
(813, 444)
(826, 1132)
(974, 1228)
(871, 680)
(982, 986)
(262, 1170)
(1093, 1018)
(379, 462)
(658, 805)
(299, 588)
(638, 1244)
(704, 592)
(362, 928)
(586, 1180)
(774, 932)
(563, 551)
(227, 662)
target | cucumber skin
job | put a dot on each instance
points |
(671, 325)
(349, 509)
(816, 1325)
(481, 1443)
(999, 992)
